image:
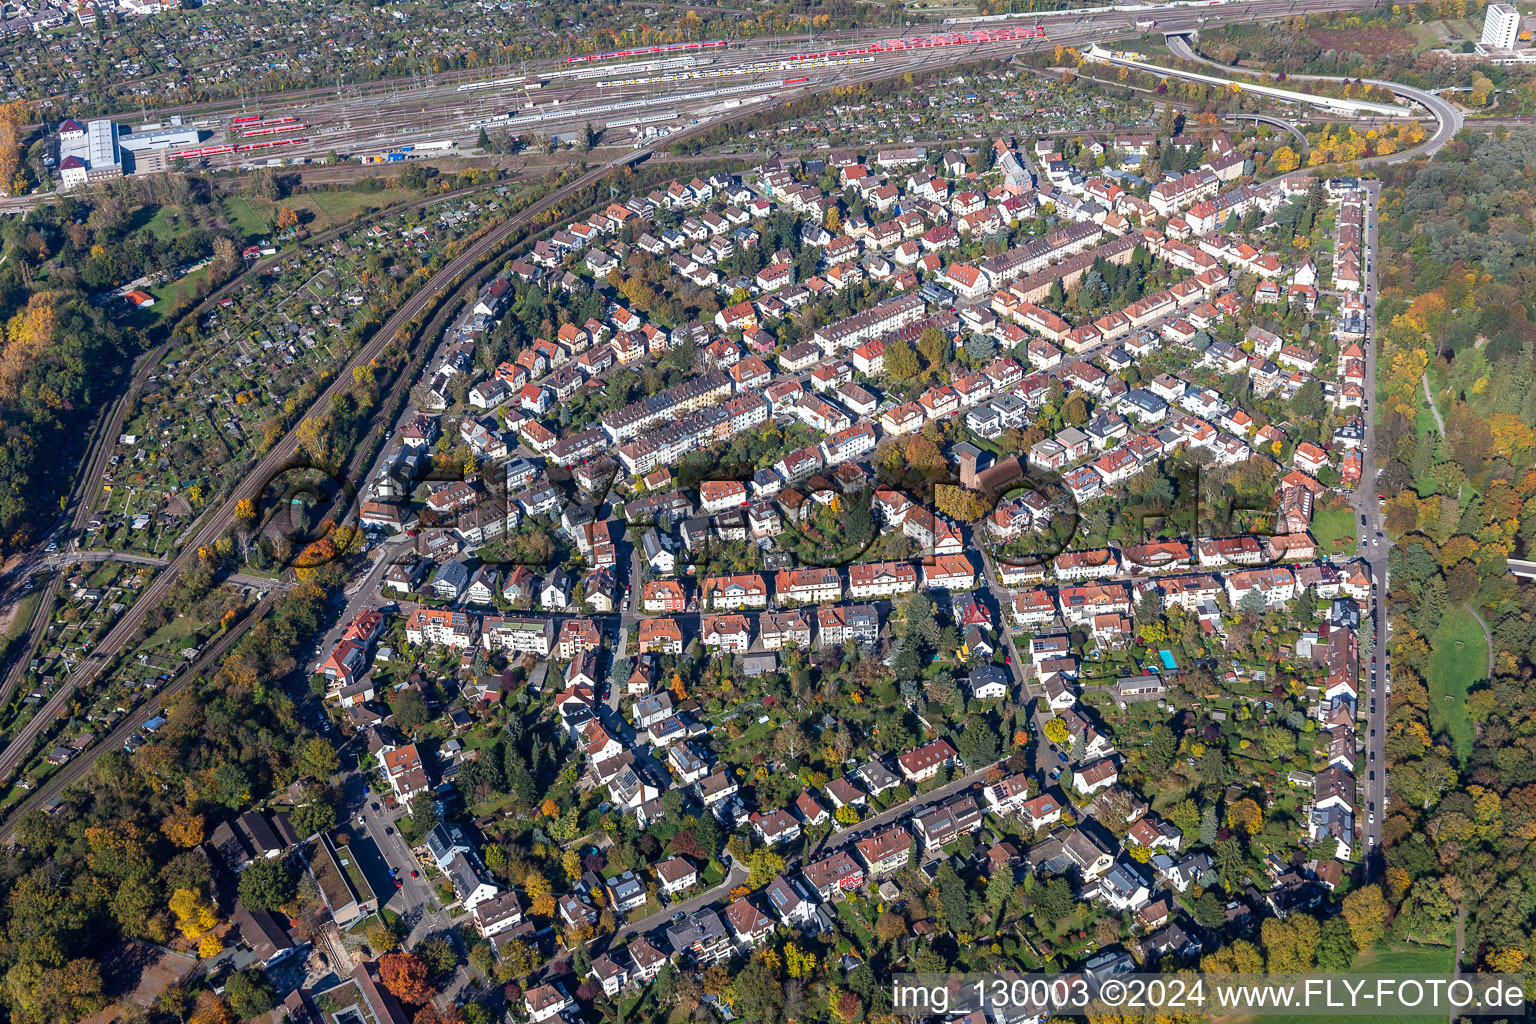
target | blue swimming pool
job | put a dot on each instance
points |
(1168, 662)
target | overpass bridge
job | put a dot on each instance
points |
(1336, 104)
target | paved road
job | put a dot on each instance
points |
(736, 874)
(49, 793)
(853, 834)
(1374, 546)
(1449, 120)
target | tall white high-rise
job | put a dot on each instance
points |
(1501, 26)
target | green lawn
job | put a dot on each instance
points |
(1458, 658)
(251, 219)
(26, 608)
(167, 296)
(1334, 530)
(168, 222)
(319, 211)
(1405, 962)
(856, 924)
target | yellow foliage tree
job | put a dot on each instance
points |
(194, 914)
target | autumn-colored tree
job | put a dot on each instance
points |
(210, 1009)
(286, 217)
(183, 828)
(405, 976)
(382, 938)
(549, 808)
(1245, 814)
(900, 361)
(541, 899)
(194, 914)
(27, 335)
(1506, 960)
(1365, 911)
(14, 117)
(959, 503)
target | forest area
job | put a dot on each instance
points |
(1457, 323)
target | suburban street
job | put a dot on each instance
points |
(1374, 546)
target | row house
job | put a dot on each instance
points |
(1086, 565)
(1274, 585)
(782, 630)
(809, 586)
(840, 624)
(886, 852)
(881, 579)
(518, 634)
(441, 627)
(947, 822)
(726, 633)
(744, 590)
(1079, 605)
(659, 636)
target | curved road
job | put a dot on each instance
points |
(77, 768)
(1448, 119)
(257, 478)
(1278, 122)
(259, 475)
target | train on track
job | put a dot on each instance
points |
(646, 51)
(202, 151)
(561, 113)
(788, 64)
(274, 129)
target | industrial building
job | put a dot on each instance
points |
(88, 153)
(100, 150)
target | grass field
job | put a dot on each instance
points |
(319, 211)
(168, 222)
(168, 295)
(22, 618)
(1405, 962)
(1458, 658)
(1334, 530)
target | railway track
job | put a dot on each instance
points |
(466, 263)
(265, 470)
(48, 793)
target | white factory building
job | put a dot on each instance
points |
(88, 152)
(99, 150)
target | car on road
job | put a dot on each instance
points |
(399, 884)
(415, 874)
(1061, 757)
(679, 916)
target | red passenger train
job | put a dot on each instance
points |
(647, 51)
(275, 129)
